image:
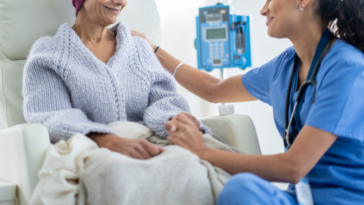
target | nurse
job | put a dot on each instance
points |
(328, 129)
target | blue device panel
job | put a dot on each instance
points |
(215, 44)
(223, 40)
(214, 35)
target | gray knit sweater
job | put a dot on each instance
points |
(67, 89)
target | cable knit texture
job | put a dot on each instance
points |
(67, 89)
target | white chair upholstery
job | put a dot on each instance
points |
(22, 147)
(236, 130)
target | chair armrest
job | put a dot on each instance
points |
(7, 193)
(237, 130)
(22, 151)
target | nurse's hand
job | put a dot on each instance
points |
(183, 132)
(135, 148)
(142, 35)
(173, 128)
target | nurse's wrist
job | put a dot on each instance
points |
(154, 47)
(204, 153)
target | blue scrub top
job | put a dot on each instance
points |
(338, 178)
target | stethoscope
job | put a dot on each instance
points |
(321, 51)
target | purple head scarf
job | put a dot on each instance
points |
(77, 4)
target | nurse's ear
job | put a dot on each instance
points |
(306, 4)
(307, 10)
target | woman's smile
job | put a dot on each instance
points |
(114, 10)
(269, 19)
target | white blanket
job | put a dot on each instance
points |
(78, 172)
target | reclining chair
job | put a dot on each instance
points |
(22, 145)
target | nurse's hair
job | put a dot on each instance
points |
(345, 18)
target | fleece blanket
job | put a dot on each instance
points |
(79, 172)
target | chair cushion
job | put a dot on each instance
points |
(24, 21)
(11, 73)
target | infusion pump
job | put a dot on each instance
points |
(223, 39)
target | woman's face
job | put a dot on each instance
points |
(283, 17)
(104, 11)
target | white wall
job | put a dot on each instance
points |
(179, 32)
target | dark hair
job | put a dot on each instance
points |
(345, 19)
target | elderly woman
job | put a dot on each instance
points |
(88, 76)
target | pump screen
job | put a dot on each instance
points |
(215, 33)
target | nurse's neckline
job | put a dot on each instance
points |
(302, 79)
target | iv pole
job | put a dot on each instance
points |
(223, 108)
(222, 75)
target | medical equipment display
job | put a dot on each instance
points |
(293, 122)
(223, 39)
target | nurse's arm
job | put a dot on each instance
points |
(308, 148)
(292, 166)
(201, 83)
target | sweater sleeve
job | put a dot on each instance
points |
(46, 98)
(164, 104)
(164, 101)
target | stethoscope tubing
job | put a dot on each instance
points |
(301, 92)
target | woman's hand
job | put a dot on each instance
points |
(135, 148)
(142, 35)
(182, 131)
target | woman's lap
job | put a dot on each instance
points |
(247, 188)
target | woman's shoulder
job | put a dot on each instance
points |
(343, 52)
(41, 54)
(48, 44)
(141, 51)
(344, 59)
(278, 65)
(137, 42)
(43, 45)
(343, 65)
(286, 57)
(143, 45)
(290, 51)
(44, 50)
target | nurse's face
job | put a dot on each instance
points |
(103, 11)
(283, 17)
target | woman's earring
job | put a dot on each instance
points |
(302, 7)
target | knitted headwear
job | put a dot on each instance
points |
(77, 4)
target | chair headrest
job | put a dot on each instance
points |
(143, 16)
(24, 21)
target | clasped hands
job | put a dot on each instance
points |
(183, 130)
